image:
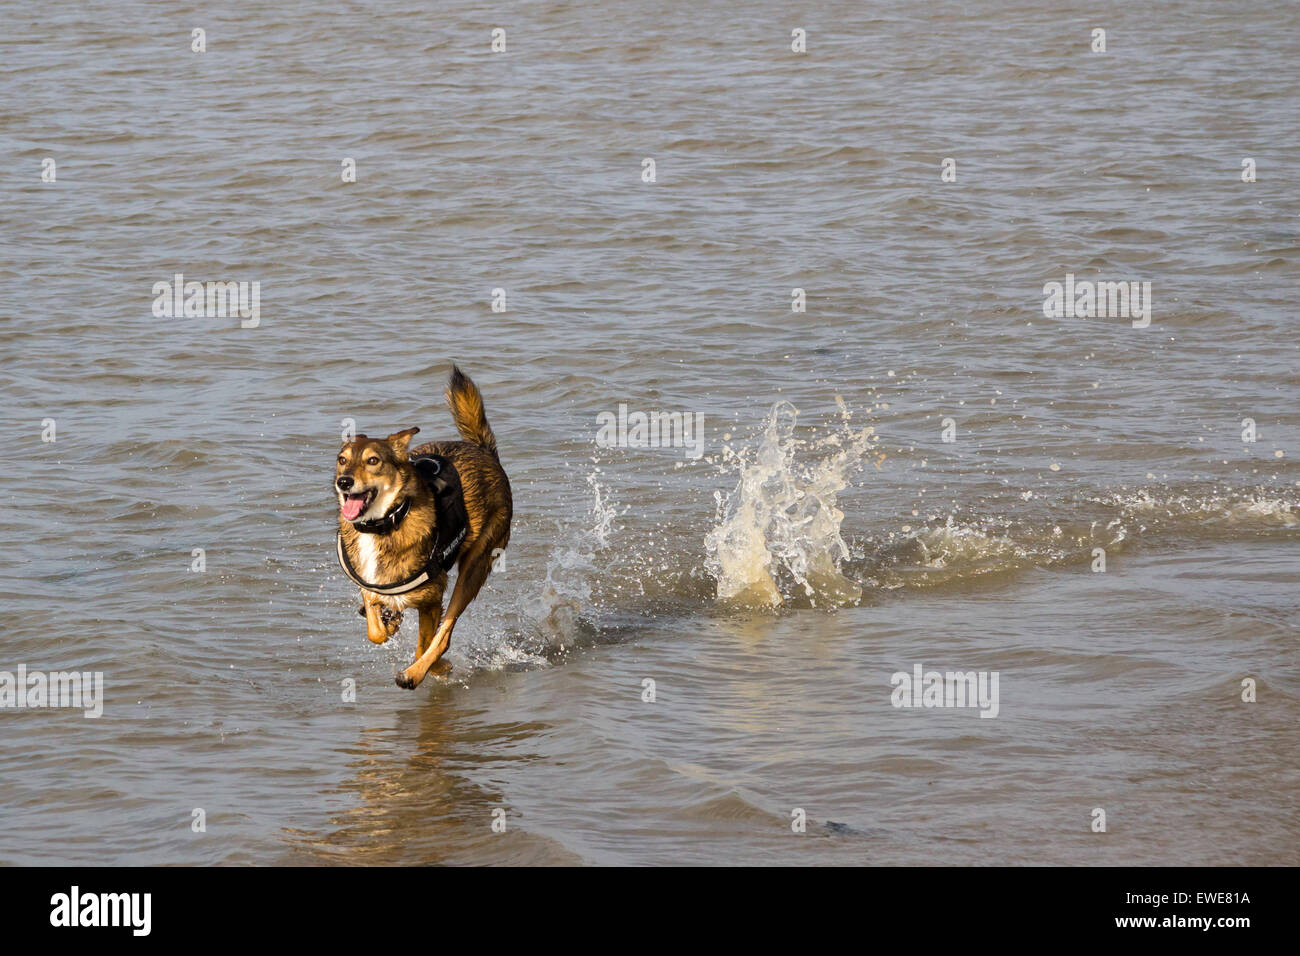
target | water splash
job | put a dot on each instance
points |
(566, 591)
(777, 536)
(543, 626)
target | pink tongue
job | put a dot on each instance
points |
(351, 507)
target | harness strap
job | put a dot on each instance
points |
(410, 584)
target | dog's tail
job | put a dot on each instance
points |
(466, 404)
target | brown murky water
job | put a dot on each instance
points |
(827, 536)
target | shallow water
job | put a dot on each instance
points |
(827, 537)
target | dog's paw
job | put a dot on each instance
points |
(392, 619)
(404, 682)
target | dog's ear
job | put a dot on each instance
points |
(399, 440)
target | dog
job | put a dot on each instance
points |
(407, 515)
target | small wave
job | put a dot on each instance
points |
(951, 549)
(1260, 510)
(941, 553)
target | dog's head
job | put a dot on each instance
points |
(373, 475)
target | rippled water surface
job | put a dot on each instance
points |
(827, 537)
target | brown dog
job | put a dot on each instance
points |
(406, 517)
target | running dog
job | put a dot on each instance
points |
(405, 517)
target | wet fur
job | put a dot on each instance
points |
(400, 554)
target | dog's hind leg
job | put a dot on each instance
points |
(429, 618)
(473, 571)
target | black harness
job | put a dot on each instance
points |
(440, 477)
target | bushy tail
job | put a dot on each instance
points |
(466, 406)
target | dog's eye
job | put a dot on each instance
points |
(372, 461)
(342, 460)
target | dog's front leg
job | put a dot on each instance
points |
(377, 629)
